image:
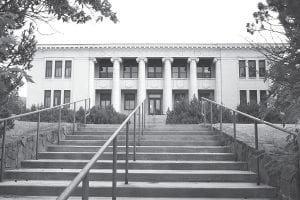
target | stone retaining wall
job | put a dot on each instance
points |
(287, 187)
(25, 147)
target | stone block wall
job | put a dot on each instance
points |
(287, 187)
(24, 148)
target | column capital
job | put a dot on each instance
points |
(144, 59)
(215, 60)
(167, 59)
(94, 60)
(113, 59)
(193, 59)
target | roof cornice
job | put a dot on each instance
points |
(153, 45)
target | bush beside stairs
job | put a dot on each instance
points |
(173, 162)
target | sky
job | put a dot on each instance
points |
(159, 21)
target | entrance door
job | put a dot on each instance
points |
(154, 104)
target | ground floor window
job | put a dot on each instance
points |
(209, 94)
(263, 96)
(129, 102)
(56, 98)
(243, 97)
(47, 98)
(105, 100)
(67, 97)
(179, 97)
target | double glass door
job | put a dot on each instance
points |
(155, 104)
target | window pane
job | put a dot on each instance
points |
(252, 68)
(253, 96)
(48, 73)
(58, 68)
(151, 69)
(242, 67)
(243, 97)
(262, 68)
(158, 69)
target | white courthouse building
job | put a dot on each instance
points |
(122, 75)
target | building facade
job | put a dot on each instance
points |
(122, 75)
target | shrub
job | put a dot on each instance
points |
(108, 115)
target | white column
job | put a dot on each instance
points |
(142, 79)
(92, 91)
(193, 90)
(167, 84)
(218, 88)
(116, 92)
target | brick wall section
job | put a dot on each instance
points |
(287, 187)
(25, 147)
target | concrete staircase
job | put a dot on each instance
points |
(173, 162)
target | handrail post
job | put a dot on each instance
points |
(143, 118)
(37, 137)
(59, 126)
(85, 112)
(256, 147)
(211, 115)
(85, 187)
(74, 117)
(3, 153)
(89, 104)
(144, 115)
(204, 113)
(126, 155)
(221, 118)
(234, 134)
(114, 170)
(139, 125)
(134, 139)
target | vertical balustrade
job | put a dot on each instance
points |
(256, 147)
(114, 170)
(144, 115)
(3, 152)
(142, 118)
(134, 137)
(221, 119)
(59, 125)
(37, 136)
(126, 155)
(85, 187)
(85, 112)
(211, 116)
(204, 113)
(234, 134)
(74, 118)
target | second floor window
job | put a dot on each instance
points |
(179, 72)
(58, 69)
(47, 98)
(242, 68)
(262, 68)
(130, 72)
(48, 73)
(252, 68)
(68, 68)
(204, 68)
(56, 98)
(155, 72)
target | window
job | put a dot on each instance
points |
(262, 68)
(179, 68)
(130, 72)
(155, 68)
(57, 98)
(242, 68)
(58, 69)
(209, 94)
(179, 97)
(104, 67)
(243, 97)
(47, 98)
(67, 96)
(129, 102)
(68, 68)
(252, 68)
(204, 68)
(263, 96)
(48, 73)
(105, 100)
(253, 96)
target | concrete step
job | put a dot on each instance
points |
(119, 198)
(135, 175)
(161, 149)
(145, 137)
(146, 133)
(143, 143)
(143, 189)
(139, 164)
(139, 156)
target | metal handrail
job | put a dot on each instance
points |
(38, 112)
(256, 121)
(83, 175)
(250, 117)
